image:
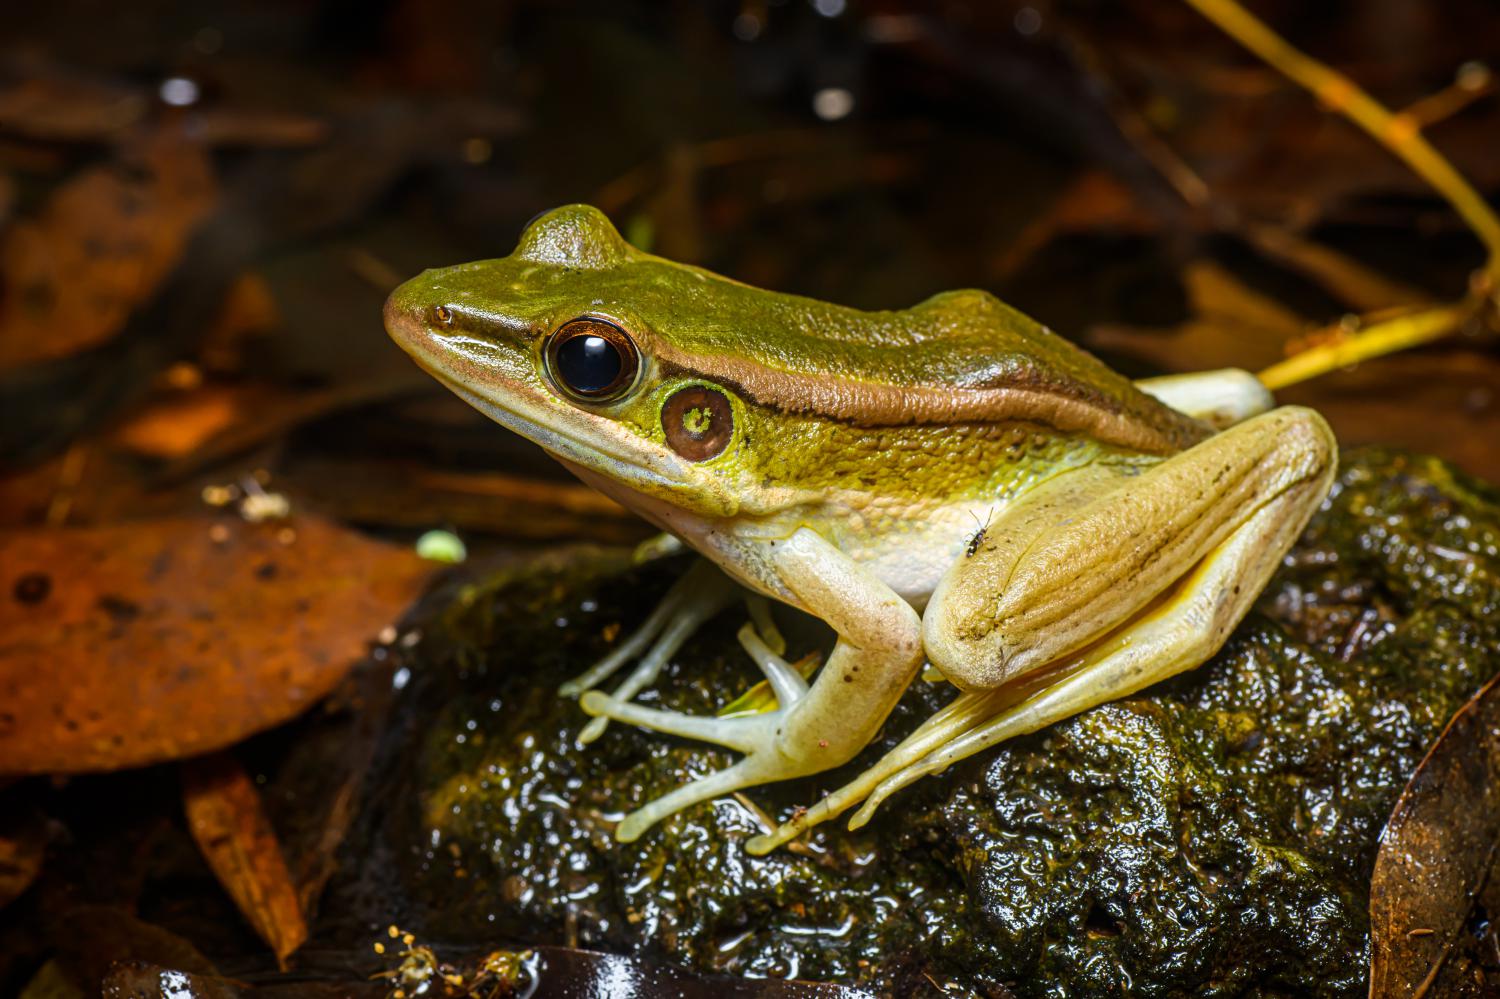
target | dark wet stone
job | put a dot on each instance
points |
(1214, 837)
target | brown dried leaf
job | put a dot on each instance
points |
(71, 275)
(89, 939)
(1449, 405)
(177, 425)
(1437, 851)
(399, 494)
(230, 826)
(137, 643)
(1093, 201)
(317, 791)
(42, 103)
(1356, 285)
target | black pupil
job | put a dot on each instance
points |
(589, 363)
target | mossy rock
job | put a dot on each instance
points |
(1213, 836)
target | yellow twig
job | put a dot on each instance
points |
(1401, 133)
(1397, 132)
(1375, 340)
(1473, 81)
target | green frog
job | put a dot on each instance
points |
(950, 484)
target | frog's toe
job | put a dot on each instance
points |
(743, 734)
(701, 593)
(606, 667)
(755, 735)
(786, 682)
(743, 774)
(646, 671)
(890, 785)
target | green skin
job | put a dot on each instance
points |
(1122, 538)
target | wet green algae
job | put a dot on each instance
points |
(1212, 838)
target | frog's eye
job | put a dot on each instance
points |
(592, 360)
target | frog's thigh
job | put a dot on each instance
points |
(1009, 610)
(1219, 398)
(1177, 632)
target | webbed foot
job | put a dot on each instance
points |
(698, 595)
(758, 736)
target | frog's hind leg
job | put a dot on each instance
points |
(1182, 632)
(1141, 582)
(698, 595)
(1181, 628)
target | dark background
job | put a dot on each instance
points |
(1121, 171)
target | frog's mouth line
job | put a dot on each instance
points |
(643, 464)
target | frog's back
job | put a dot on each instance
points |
(959, 357)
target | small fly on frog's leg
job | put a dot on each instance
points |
(978, 538)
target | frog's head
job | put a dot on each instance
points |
(567, 342)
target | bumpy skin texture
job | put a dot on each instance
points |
(1213, 837)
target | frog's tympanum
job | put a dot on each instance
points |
(950, 483)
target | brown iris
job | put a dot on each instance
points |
(592, 360)
(698, 422)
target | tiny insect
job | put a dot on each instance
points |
(978, 538)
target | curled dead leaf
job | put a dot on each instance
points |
(229, 824)
(1437, 854)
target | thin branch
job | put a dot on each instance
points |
(1401, 134)
(1374, 340)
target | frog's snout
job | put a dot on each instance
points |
(407, 318)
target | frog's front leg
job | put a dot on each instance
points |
(878, 652)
